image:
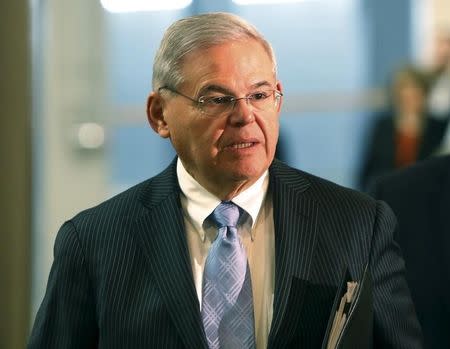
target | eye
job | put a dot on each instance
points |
(218, 100)
(259, 95)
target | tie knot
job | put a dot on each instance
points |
(226, 214)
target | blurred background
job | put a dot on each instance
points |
(74, 77)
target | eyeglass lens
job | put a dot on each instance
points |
(221, 104)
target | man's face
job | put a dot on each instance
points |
(442, 51)
(236, 147)
(410, 96)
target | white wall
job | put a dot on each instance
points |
(68, 67)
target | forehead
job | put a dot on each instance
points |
(236, 64)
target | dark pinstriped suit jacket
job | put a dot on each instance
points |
(121, 277)
(420, 197)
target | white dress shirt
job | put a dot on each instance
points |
(256, 233)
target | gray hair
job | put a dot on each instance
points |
(199, 32)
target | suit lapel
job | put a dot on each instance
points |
(295, 219)
(162, 235)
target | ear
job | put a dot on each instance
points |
(280, 88)
(155, 115)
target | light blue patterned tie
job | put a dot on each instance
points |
(227, 304)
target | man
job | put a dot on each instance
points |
(420, 197)
(149, 268)
(441, 55)
(438, 101)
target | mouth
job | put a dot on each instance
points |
(241, 145)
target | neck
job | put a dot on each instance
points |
(225, 187)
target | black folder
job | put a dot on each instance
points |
(357, 331)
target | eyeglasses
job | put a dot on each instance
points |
(218, 104)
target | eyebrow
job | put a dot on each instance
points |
(217, 88)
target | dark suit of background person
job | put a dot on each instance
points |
(404, 133)
(420, 198)
(122, 277)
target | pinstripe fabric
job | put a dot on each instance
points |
(121, 276)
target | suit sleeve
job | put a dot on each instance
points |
(374, 159)
(66, 318)
(395, 321)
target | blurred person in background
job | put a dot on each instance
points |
(440, 64)
(405, 132)
(420, 198)
(438, 76)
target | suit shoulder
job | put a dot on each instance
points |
(131, 203)
(421, 174)
(125, 203)
(334, 193)
(322, 190)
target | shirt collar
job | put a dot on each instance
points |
(200, 202)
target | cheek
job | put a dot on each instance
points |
(179, 135)
(270, 129)
(274, 140)
(207, 131)
(203, 137)
(180, 127)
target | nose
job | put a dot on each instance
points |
(242, 112)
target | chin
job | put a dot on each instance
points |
(247, 172)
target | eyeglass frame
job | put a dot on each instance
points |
(199, 102)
